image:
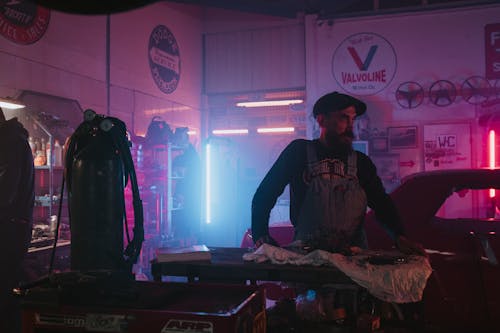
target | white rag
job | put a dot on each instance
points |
(398, 283)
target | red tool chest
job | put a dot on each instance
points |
(143, 307)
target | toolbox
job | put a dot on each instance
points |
(75, 302)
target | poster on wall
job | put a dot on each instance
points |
(387, 169)
(164, 59)
(23, 22)
(447, 146)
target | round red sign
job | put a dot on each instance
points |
(23, 22)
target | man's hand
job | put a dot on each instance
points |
(407, 246)
(266, 240)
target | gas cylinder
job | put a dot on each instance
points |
(98, 165)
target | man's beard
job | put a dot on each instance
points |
(341, 142)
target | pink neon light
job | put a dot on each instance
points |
(491, 155)
(491, 149)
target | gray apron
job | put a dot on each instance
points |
(332, 214)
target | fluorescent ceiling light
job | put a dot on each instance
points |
(270, 103)
(275, 130)
(230, 131)
(192, 132)
(162, 111)
(9, 103)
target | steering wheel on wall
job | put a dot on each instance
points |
(409, 94)
(442, 93)
(476, 90)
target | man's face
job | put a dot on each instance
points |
(337, 126)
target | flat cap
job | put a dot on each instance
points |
(336, 101)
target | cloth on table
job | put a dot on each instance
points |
(398, 283)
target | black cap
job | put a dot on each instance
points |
(336, 101)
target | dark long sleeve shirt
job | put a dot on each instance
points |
(289, 169)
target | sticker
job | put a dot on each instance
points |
(105, 323)
(187, 326)
(91, 322)
(164, 59)
(74, 321)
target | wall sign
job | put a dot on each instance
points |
(492, 50)
(447, 146)
(364, 64)
(23, 22)
(164, 59)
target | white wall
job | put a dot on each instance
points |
(131, 76)
(70, 61)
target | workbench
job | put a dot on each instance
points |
(227, 266)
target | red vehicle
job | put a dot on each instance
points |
(463, 292)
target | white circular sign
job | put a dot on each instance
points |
(364, 64)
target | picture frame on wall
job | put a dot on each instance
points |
(379, 144)
(402, 137)
(361, 146)
(387, 169)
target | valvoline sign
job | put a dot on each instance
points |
(364, 64)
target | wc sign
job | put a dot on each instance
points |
(447, 141)
(492, 50)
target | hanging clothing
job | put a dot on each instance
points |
(16, 216)
(16, 173)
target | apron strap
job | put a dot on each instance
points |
(352, 168)
(312, 156)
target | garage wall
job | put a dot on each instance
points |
(70, 61)
(426, 47)
(270, 58)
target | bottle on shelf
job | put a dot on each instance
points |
(140, 156)
(40, 154)
(31, 142)
(57, 154)
(48, 155)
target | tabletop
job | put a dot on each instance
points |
(227, 266)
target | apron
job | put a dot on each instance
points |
(332, 214)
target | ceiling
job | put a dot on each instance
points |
(281, 8)
(333, 8)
